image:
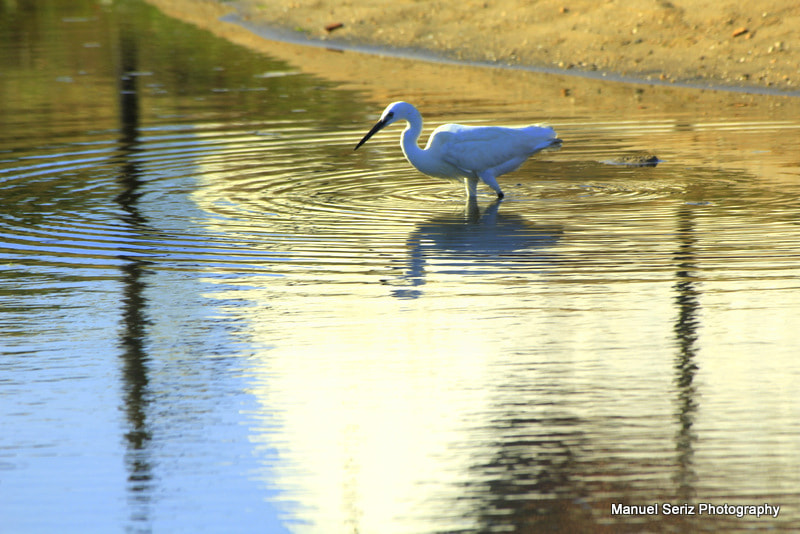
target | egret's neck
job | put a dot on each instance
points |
(408, 141)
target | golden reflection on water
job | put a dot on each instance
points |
(414, 363)
(431, 365)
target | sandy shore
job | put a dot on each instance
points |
(701, 41)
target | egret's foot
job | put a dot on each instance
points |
(500, 195)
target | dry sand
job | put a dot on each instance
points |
(710, 42)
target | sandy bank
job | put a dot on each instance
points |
(702, 41)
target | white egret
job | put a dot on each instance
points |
(470, 153)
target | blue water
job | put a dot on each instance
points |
(218, 318)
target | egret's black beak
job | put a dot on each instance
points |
(375, 129)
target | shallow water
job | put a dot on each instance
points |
(217, 317)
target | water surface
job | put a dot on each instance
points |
(217, 317)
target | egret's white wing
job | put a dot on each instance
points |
(478, 148)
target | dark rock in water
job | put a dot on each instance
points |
(635, 160)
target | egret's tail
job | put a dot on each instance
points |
(543, 138)
(553, 142)
(549, 143)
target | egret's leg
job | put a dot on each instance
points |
(489, 179)
(471, 185)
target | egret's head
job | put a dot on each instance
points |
(394, 112)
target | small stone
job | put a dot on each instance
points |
(333, 26)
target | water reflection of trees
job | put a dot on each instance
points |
(686, 326)
(135, 374)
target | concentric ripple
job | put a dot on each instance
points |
(206, 195)
(275, 195)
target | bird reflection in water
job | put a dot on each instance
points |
(475, 242)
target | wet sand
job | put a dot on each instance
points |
(702, 42)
